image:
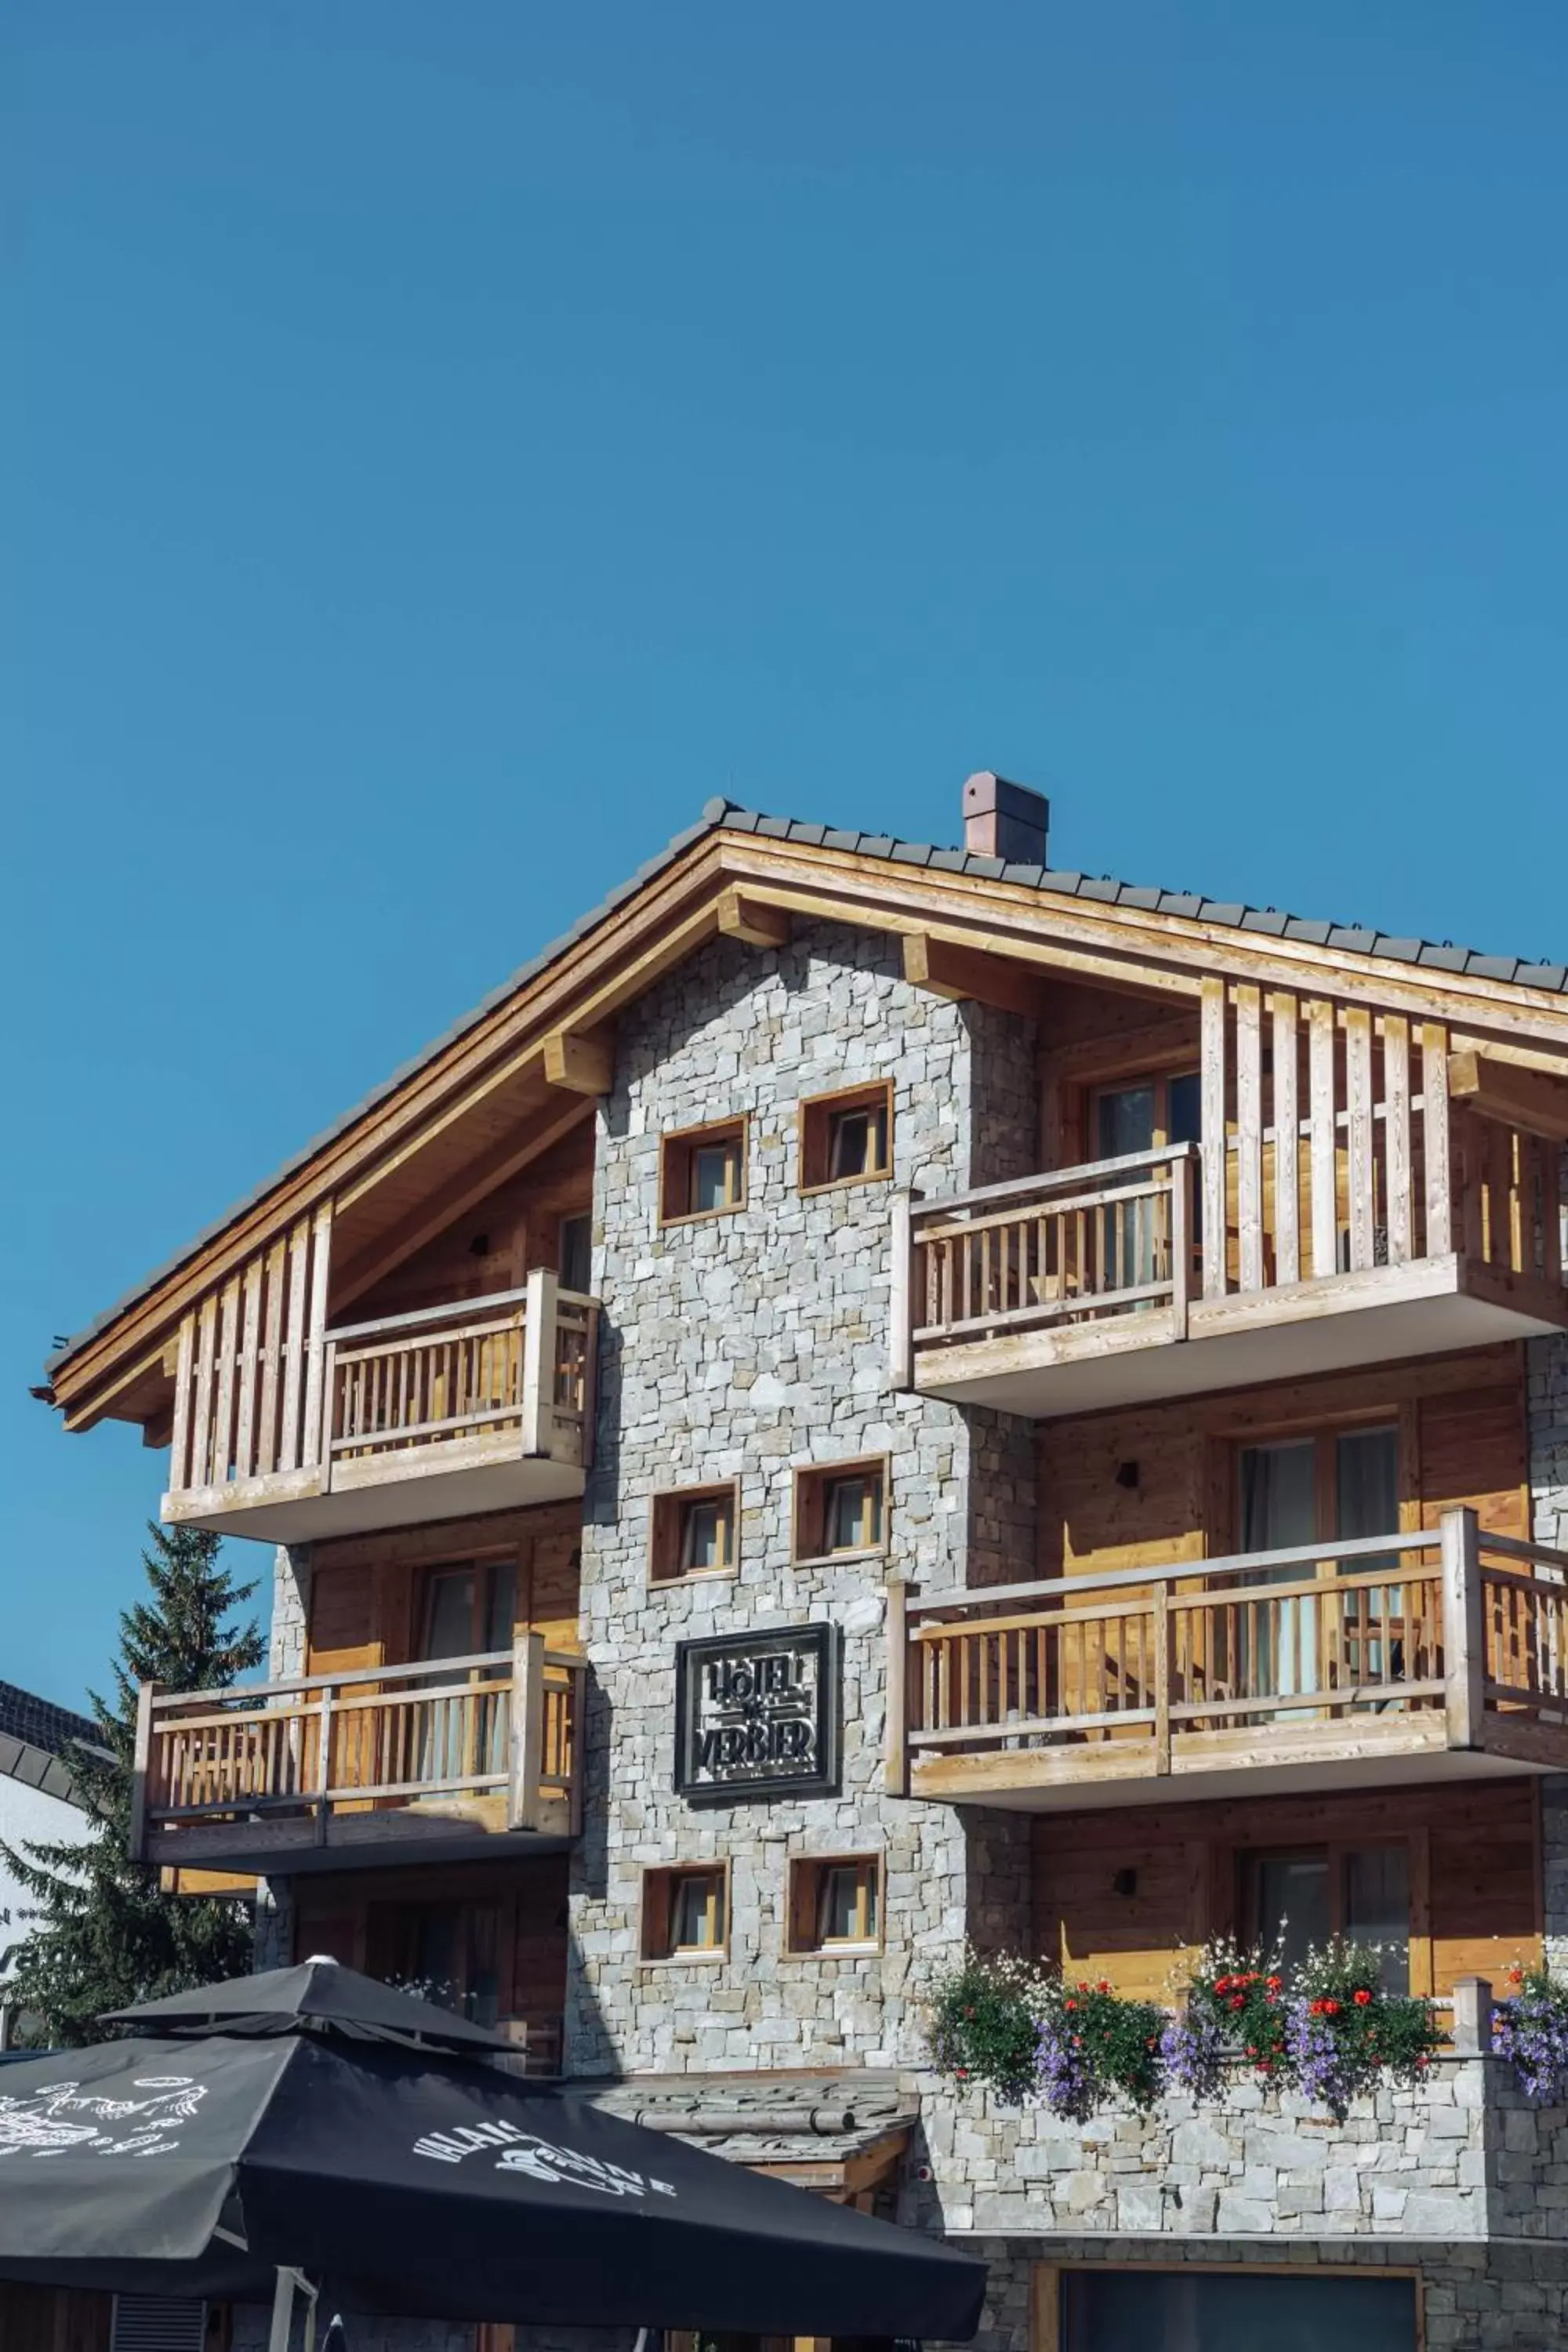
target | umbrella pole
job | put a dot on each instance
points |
(282, 2313)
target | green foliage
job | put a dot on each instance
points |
(984, 2023)
(1094, 2042)
(1239, 1996)
(104, 1934)
(1345, 2032)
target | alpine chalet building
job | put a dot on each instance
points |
(831, 1421)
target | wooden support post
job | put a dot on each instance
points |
(525, 1761)
(901, 1284)
(1180, 1242)
(1436, 1141)
(1464, 1628)
(1212, 1058)
(1287, 1145)
(577, 1736)
(538, 1362)
(324, 1764)
(1362, 1170)
(1323, 1149)
(1396, 1138)
(315, 1435)
(141, 1769)
(896, 1634)
(1250, 1137)
(1164, 1629)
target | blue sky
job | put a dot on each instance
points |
(442, 446)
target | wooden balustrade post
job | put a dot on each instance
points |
(1464, 1628)
(901, 1284)
(895, 1729)
(539, 1341)
(525, 1761)
(1164, 1631)
(1181, 1243)
(1213, 1016)
(324, 1763)
(141, 1766)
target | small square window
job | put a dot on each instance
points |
(840, 1509)
(686, 1913)
(694, 1532)
(846, 1138)
(703, 1173)
(834, 1904)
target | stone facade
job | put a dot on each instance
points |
(1459, 2156)
(746, 1346)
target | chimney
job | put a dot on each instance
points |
(1004, 820)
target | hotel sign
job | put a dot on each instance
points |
(756, 1714)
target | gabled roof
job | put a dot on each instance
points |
(1439, 959)
(37, 1739)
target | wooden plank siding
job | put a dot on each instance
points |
(1473, 1864)
(365, 1590)
(1124, 1489)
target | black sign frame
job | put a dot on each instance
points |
(820, 1641)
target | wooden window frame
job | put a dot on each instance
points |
(676, 1159)
(807, 1875)
(813, 1136)
(668, 1511)
(808, 1510)
(1046, 2290)
(657, 1908)
(1415, 1846)
(574, 1217)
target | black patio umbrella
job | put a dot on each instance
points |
(312, 2123)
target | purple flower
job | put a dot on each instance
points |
(1324, 2064)
(1192, 2047)
(1531, 2033)
(1064, 2069)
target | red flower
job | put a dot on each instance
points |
(1275, 1983)
(1364, 1998)
(962, 2073)
(1077, 2041)
(1069, 2004)
(1251, 2050)
(1222, 1984)
(1238, 2000)
(1083, 1984)
(1151, 2043)
(1104, 1984)
(1516, 1974)
(1331, 2009)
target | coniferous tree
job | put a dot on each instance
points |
(103, 1932)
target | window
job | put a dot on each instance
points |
(834, 1904)
(1226, 2310)
(1294, 1492)
(846, 1138)
(686, 1913)
(574, 1254)
(840, 1509)
(449, 1953)
(703, 1173)
(1301, 1900)
(693, 1532)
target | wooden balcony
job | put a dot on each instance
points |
(438, 1762)
(1402, 1224)
(285, 1434)
(1410, 1656)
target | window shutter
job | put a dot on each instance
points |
(157, 2322)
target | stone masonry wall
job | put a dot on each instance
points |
(744, 1346)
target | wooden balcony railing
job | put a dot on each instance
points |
(492, 1740)
(1327, 1182)
(1088, 1242)
(273, 1408)
(1450, 1640)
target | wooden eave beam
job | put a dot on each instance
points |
(742, 917)
(1516, 1097)
(581, 1060)
(969, 975)
(383, 1255)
